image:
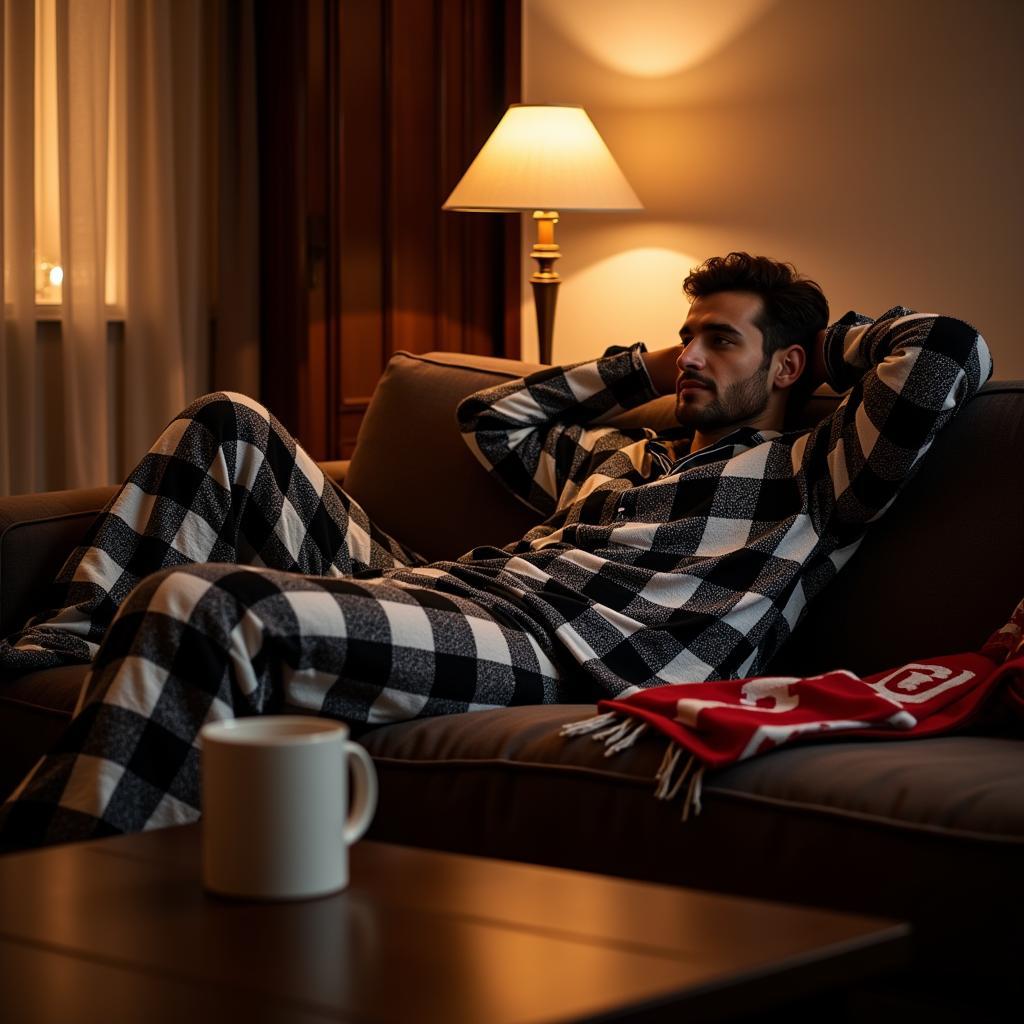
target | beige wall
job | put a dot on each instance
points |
(877, 144)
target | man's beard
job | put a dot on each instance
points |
(739, 403)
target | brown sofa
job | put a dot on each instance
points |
(929, 830)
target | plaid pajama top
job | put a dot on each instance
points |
(647, 571)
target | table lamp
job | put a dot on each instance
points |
(545, 159)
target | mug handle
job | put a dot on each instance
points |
(364, 802)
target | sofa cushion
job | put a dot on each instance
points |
(412, 471)
(927, 829)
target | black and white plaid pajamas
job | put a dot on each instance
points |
(651, 571)
(325, 615)
(645, 571)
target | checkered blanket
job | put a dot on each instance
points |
(710, 726)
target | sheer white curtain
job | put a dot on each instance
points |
(165, 91)
(83, 77)
(166, 299)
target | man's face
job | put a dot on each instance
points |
(723, 373)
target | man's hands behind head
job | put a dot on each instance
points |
(816, 367)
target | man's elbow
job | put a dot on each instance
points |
(962, 343)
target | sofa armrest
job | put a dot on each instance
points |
(37, 532)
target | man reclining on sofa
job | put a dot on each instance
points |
(227, 577)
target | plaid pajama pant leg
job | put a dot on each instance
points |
(208, 642)
(225, 482)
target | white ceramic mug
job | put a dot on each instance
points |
(276, 823)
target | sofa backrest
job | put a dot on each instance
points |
(942, 570)
(412, 471)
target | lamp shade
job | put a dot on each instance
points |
(543, 158)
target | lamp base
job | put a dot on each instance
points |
(545, 280)
(545, 295)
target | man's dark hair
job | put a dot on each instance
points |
(795, 308)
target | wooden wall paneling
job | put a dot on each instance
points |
(452, 126)
(315, 378)
(512, 40)
(362, 228)
(480, 71)
(281, 39)
(369, 111)
(413, 207)
(332, 384)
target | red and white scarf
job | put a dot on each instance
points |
(711, 725)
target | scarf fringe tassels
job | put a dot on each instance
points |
(618, 733)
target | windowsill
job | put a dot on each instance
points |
(51, 312)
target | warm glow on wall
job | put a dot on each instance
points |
(668, 37)
(634, 293)
(857, 140)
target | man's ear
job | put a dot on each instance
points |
(789, 364)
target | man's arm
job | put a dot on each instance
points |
(907, 375)
(542, 434)
(662, 368)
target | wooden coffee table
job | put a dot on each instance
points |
(121, 930)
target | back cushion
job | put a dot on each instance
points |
(412, 471)
(414, 474)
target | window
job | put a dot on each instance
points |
(49, 268)
(48, 256)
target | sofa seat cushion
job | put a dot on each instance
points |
(913, 829)
(902, 784)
